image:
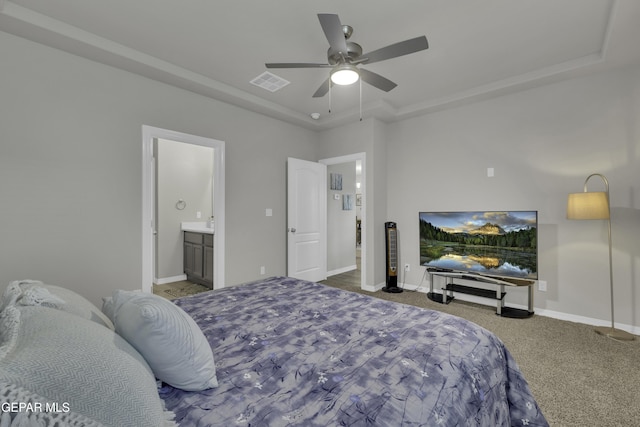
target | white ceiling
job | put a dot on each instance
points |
(477, 48)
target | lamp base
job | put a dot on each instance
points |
(614, 333)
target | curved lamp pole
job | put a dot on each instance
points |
(595, 205)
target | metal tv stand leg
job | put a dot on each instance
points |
(443, 298)
(500, 300)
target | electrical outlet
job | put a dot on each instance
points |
(263, 270)
(542, 285)
(407, 267)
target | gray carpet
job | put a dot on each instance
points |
(579, 378)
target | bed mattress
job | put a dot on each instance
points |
(291, 352)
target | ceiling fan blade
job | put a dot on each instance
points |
(323, 89)
(376, 80)
(333, 31)
(295, 65)
(397, 49)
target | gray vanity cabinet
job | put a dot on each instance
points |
(198, 258)
(207, 265)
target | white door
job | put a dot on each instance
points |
(307, 220)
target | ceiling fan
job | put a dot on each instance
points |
(344, 56)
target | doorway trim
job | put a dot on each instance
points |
(363, 224)
(149, 134)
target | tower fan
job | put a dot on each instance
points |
(391, 240)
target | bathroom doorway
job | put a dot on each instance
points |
(185, 208)
(184, 179)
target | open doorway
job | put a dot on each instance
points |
(346, 217)
(150, 194)
(184, 179)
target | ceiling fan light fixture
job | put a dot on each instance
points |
(345, 74)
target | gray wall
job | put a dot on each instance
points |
(70, 170)
(542, 143)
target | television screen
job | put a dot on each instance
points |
(492, 243)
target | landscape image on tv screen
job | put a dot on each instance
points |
(493, 243)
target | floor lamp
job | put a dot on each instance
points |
(595, 205)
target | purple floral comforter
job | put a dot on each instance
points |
(296, 353)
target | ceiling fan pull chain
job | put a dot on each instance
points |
(330, 96)
(360, 99)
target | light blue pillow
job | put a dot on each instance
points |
(86, 373)
(168, 338)
(34, 292)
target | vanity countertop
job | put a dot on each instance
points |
(197, 227)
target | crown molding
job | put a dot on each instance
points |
(25, 23)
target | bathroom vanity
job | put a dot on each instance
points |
(198, 253)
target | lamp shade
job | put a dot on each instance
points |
(588, 205)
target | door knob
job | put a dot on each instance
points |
(292, 229)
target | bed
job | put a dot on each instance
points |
(277, 352)
(291, 352)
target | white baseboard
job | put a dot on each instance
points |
(586, 320)
(165, 280)
(342, 270)
(539, 311)
(369, 288)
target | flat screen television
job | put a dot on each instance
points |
(502, 244)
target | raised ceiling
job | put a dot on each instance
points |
(477, 49)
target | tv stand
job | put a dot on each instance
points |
(501, 310)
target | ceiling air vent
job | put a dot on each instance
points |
(269, 81)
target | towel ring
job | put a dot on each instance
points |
(181, 204)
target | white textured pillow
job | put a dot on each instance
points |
(34, 292)
(61, 416)
(167, 337)
(86, 370)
